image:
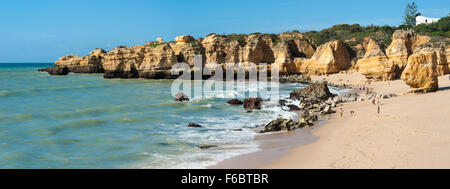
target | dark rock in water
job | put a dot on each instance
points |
(56, 70)
(121, 74)
(282, 102)
(293, 107)
(181, 97)
(194, 125)
(206, 146)
(253, 103)
(315, 91)
(235, 102)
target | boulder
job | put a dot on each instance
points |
(181, 97)
(308, 119)
(253, 103)
(88, 64)
(327, 110)
(143, 61)
(204, 146)
(420, 72)
(280, 124)
(375, 64)
(331, 57)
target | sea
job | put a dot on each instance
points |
(85, 121)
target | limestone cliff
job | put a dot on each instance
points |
(387, 64)
(409, 55)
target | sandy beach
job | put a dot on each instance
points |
(412, 131)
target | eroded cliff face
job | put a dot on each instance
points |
(443, 67)
(421, 70)
(155, 59)
(138, 61)
(331, 57)
(87, 64)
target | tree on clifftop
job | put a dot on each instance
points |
(410, 14)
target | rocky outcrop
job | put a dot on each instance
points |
(56, 70)
(253, 103)
(404, 43)
(331, 57)
(87, 64)
(281, 124)
(316, 91)
(421, 70)
(291, 52)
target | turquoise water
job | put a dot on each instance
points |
(85, 121)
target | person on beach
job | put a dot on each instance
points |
(340, 112)
(352, 112)
(378, 109)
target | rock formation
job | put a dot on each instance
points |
(87, 64)
(387, 64)
(331, 57)
(294, 53)
(375, 64)
(253, 103)
(235, 102)
(421, 70)
(56, 70)
(317, 91)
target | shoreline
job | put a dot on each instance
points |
(407, 139)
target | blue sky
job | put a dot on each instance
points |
(42, 31)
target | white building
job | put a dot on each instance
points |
(425, 20)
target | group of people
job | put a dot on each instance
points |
(375, 99)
